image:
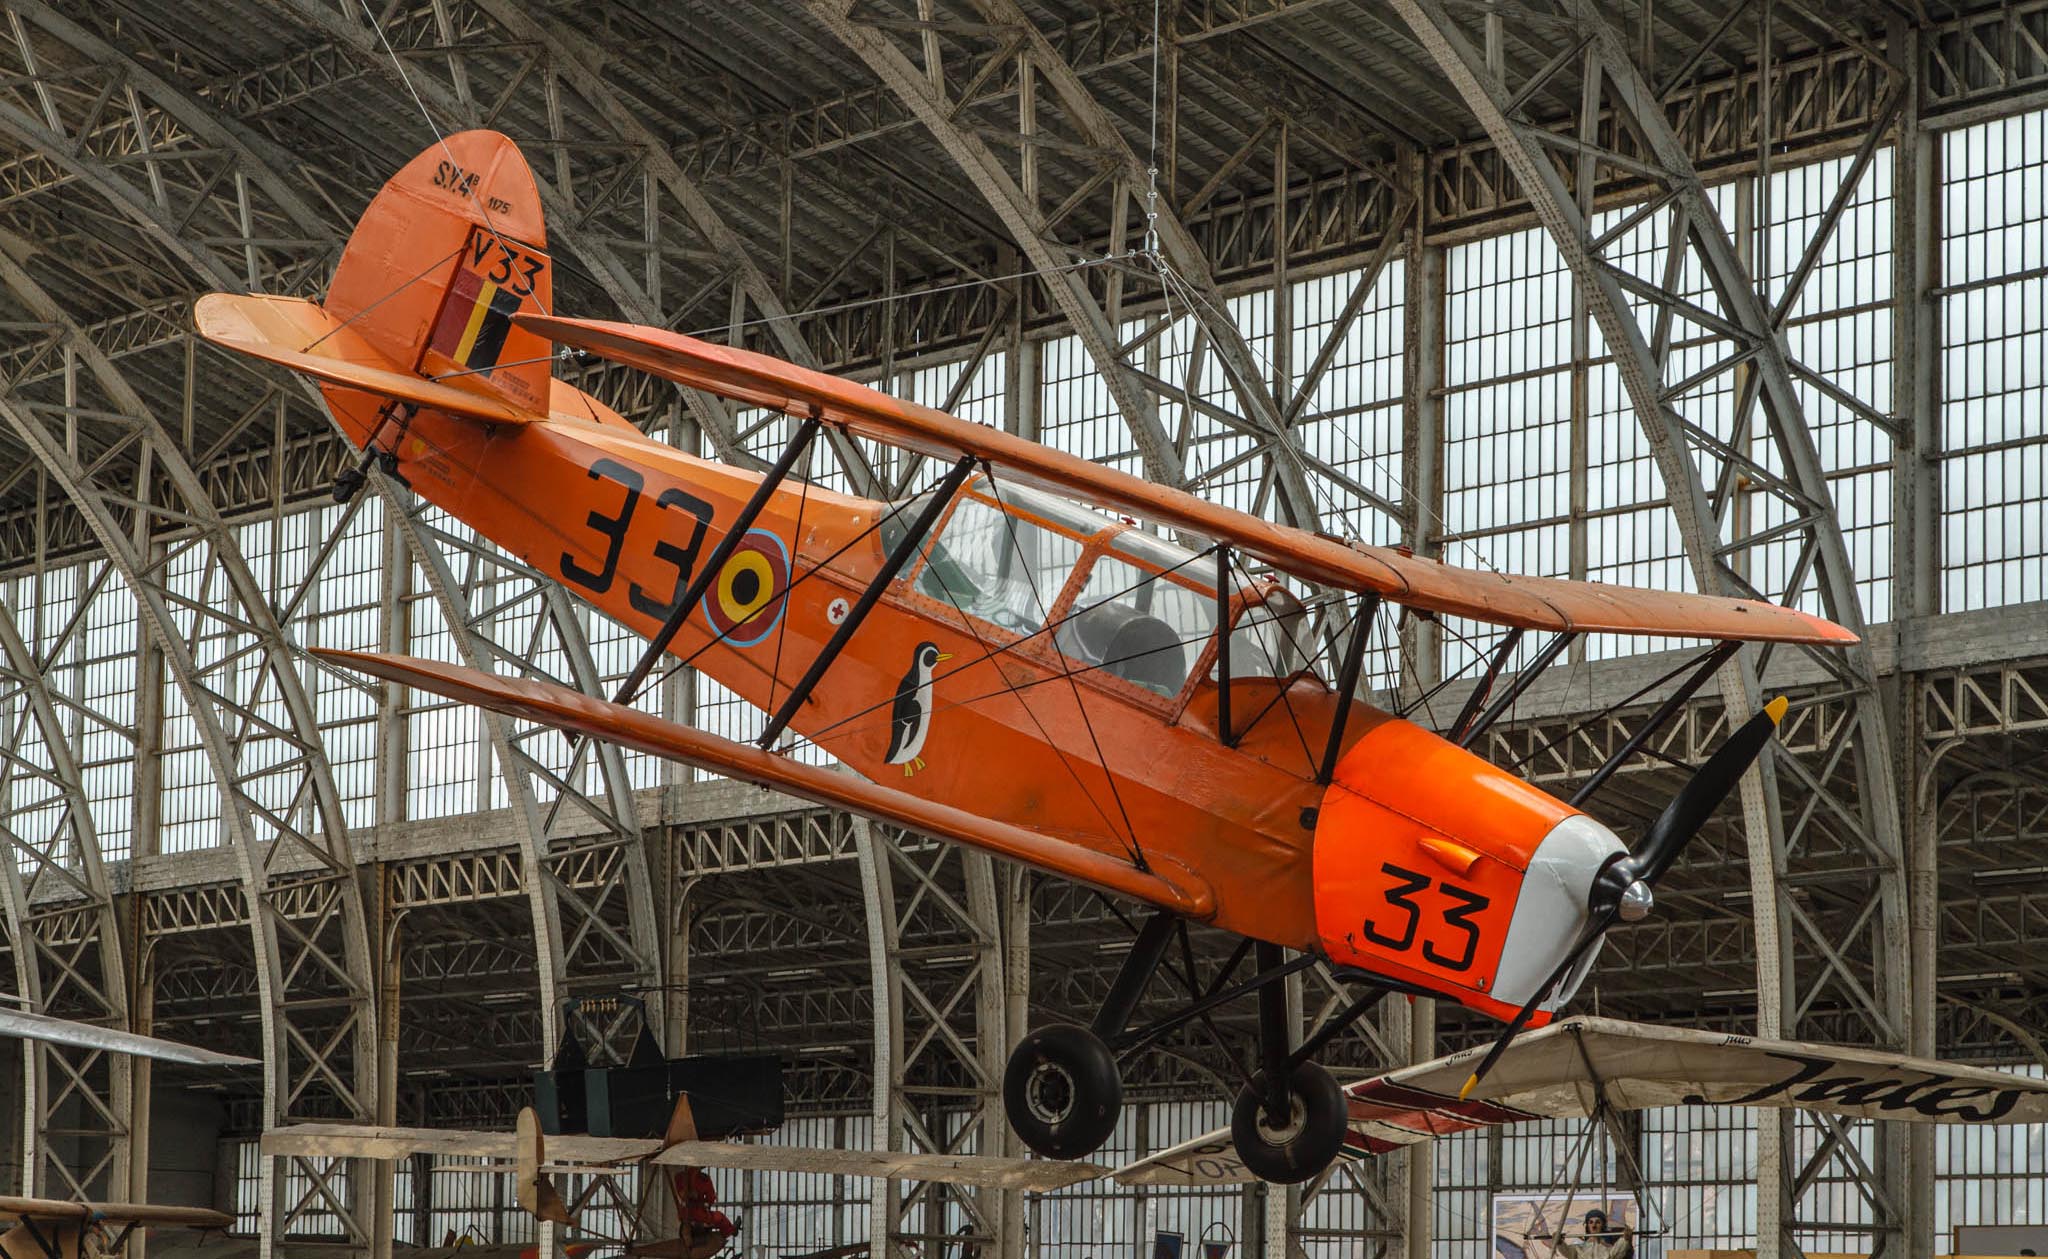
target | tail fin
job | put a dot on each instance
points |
(452, 247)
(422, 307)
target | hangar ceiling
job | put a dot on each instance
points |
(864, 185)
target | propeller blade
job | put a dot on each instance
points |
(1666, 838)
(1703, 793)
(1595, 928)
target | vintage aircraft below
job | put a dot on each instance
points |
(1578, 1068)
(1004, 667)
(540, 1165)
(46, 1228)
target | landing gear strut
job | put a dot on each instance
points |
(1288, 1123)
(1062, 1091)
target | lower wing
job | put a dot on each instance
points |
(1573, 1068)
(1177, 889)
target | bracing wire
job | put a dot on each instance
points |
(440, 139)
(1152, 151)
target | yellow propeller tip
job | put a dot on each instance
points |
(1471, 1082)
(1776, 708)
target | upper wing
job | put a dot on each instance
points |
(341, 1140)
(1529, 602)
(1566, 1071)
(141, 1213)
(1168, 885)
(29, 1026)
(358, 1141)
(1035, 1174)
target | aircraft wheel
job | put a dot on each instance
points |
(1290, 1152)
(1061, 1091)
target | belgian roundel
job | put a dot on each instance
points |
(743, 605)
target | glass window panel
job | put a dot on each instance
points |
(1994, 363)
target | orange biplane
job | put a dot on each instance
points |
(1003, 666)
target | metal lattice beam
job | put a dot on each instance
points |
(941, 1027)
(68, 955)
(253, 719)
(1729, 550)
(1014, 198)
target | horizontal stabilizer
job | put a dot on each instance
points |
(1541, 603)
(27, 1026)
(300, 335)
(1181, 892)
(1567, 1069)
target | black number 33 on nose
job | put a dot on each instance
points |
(1458, 917)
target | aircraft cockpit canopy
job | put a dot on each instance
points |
(1142, 609)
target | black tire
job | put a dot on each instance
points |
(1290, 1153)
(1061, 1091)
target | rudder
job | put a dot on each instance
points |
(452, 247)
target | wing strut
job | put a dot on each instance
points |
(1223, 628)
(708, 573)
(1347, 682)
(892, 564)
(1665, 711)
(1461, 729)
(1528, 673)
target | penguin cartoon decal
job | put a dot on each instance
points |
(912, 718)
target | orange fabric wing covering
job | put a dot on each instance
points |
(1545, 603)
(1178, 890)
(295, 333)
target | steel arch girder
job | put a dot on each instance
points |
(241, 815)
(636, 885)
(203, 120)
(573, 55)
(547, 921)
(94, 900)
(1024, 223)
(327, 847)
(879, 852)
(614, 809)
(571, 638)
(1641, 376)
(236, 812)
(1249, 379)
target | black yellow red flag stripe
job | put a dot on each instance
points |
(474, 320)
